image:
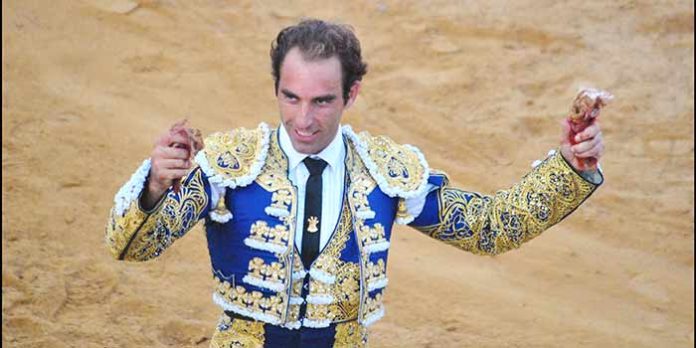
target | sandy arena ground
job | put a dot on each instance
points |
(479, 86)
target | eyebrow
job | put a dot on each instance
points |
(327, 97)
(289, 94)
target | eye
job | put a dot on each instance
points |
(323, 101)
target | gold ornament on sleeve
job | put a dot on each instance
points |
(312, 223)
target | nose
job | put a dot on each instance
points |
(306, 117)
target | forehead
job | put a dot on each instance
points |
(312, 77)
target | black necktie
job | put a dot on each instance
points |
(312, 211)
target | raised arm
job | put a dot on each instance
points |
(160, 203)
(492, 224)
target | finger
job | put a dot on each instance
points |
(595, 151)
(165, 152)
(590, 132)
(565, 132)
(174, 164)
(178, 137)
(585, 145)
(173, 153)
(163, 140)
(175, 174)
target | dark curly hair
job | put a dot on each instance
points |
(318, 39)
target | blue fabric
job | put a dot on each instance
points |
(228, 254)
(430, 215)
(279, 337)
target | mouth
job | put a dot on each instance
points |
(305, 136)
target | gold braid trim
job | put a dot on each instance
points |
(238, 333)
(234, 158)
(495, 224)
(350, 334)
(399, 170)
(137, 235)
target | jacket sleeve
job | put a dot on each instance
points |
(134, 234)
(491, 225)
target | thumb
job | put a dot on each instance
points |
(565, 132)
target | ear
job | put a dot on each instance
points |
(353, 93)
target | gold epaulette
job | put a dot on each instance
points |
(234, 158)
(399, 170)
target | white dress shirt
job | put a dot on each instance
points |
(333, 180)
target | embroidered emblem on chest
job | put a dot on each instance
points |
(312, 223)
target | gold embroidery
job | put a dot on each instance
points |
(401, 211)
(238, 333)
(120, 229)
(275, 272)
(253, 301)
(358, 191)
(495, 224)
(273, 178)
(372, 305)
(281, 199)
(350, 334)
(232, 154)
(220, 207)
(319, 312)
(372, 235)
(398, 164)
(361, 186)
(312, 223)
(261, 232)
(346, 292)
(376, 271)
(177, 213)
(297, 287)
(345, 289)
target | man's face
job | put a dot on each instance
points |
(310, 100)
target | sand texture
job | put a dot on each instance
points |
(479, 86)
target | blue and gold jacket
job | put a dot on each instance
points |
(242, 190)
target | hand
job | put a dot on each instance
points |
(587, 151)
(169, 163)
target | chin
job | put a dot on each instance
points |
(308, 149)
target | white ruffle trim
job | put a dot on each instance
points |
(275, 286)
(377, 284)
(220, 301)
(293, 325)
(299, 275)
(320, 299)
(376, 247)
(322, 276)
(316, 323)
(374, 171)
(241, 181)
(221, 218)
(274, 248)
(536, 163)
(404, 220)
(294, 300)
(277, 212)
(365, 214)
(372, 318)
(131, 190)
